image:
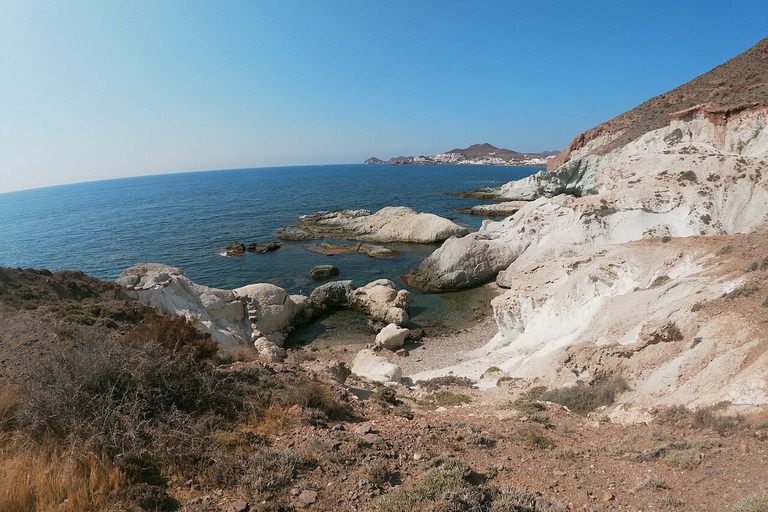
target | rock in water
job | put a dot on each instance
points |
(320, 272)
(390, 224)
(234, 249)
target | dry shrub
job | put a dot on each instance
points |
(313, 394)
(173, 333)
(9, 406)
(441, 382)
(708, 417)
(41, 479)
(584, 399)
(755, 503)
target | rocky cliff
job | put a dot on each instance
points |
(633, 200)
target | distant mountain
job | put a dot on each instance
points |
(477, 154)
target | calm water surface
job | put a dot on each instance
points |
(184, 220)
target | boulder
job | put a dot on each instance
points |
(336, 293)
(268, 350)
(391, 337)
(390, 224)
(462, 263)
(234, 249)
(382, 301)
(372, 367)
(263, 247)
(323, 272)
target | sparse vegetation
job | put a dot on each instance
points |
(754, 503)
(442, 382)
(746, 290)
(583, 399)
(708, 417)
(450, 484)
(659, 281)
(444, 399)
(726, 249)
(653, 482)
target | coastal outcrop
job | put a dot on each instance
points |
(390, 224)
(380, 300)
(611, 265)
(261, 314)
(698, 176)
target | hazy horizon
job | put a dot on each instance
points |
(120, 89)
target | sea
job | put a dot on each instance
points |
(185, 219)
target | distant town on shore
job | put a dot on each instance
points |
(477, 154)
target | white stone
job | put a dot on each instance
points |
(391, 337)
(372, 367)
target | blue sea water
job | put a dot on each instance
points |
(185, 219)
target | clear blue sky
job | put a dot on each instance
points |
(105, 89)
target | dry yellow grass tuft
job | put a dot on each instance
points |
(40, 479)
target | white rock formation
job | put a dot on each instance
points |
(582, 271)
(262, 314)
(170, 291)
(694, 177)
(390, 224)
(391, 337)
(372, 367)
(380, 299)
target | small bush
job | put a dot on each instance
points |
(671, 414)
(697, 307)
(669, 502)
(493, 369)
(444, 399)
(534, 439)
(173, 333)
(707, 417)
(387, 395)
(653, 482)
(441, 382)
(753, 503)
(584, 399)
(688, 458)
(317, 395)
(659, 281)
(378, 473)
(724, 250)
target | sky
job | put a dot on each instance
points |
(109, 89)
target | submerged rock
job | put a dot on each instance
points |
(374, 251)
(320, 272)
(263, 247)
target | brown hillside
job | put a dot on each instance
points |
(741, 80)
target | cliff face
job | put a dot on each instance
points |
(741, 80)
(622, 210)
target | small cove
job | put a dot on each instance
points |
(185, 219)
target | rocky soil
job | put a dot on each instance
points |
(384, 446)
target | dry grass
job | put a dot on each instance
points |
(38, 479)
